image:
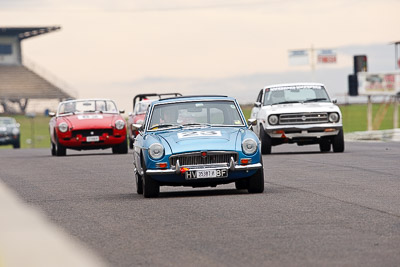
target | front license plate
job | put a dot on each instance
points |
(92, 139)
(206, 173)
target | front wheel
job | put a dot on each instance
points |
(338, 142)
(241, 184)
(150, 187)
(324, 146)
(17, 144)
(266, 142)
(121, 148)
(139, 183)
(60, 149)
(130, 143)
(53, 149)
(256, 182)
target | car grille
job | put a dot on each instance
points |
(94, 132)
(190, 159)
(303, 118)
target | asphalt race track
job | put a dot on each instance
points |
(331, 209)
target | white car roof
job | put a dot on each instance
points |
(294, 84)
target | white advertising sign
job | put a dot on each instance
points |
(378, 83)
(326, 56)
(298, 57)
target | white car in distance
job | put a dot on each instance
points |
(299, 113)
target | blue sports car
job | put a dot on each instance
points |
(196, 141)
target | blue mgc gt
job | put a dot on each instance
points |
(196, 141)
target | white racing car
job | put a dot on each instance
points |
(299, 113)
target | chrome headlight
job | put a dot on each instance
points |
(249, 146)
(119, 124)
(333, 117)
(273, 119)
(63, 127)
(15, 131)
(156, 151)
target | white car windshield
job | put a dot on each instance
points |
(295, 94)
(196, 113)
(84, 106)
(7, 121)
(141, 107)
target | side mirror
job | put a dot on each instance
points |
(334, 101)
(52, 114)
(137, 127)
(122, 111)
(252, 122)
(257, 104)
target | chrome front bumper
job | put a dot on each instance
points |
(315, 131)
(231, 167)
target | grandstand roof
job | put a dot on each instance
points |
(18, 82)
(26, 32)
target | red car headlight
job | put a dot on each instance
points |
(119, 124)
(63, 127)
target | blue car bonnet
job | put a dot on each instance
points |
(197, 139)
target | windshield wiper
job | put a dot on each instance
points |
(164, 126)
(196, 124)
(285, 102)
(315, 99)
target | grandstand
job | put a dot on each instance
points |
(20, 83)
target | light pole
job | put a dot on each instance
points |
(32, 115)
(396, 55)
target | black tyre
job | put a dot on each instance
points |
(338, 142)
(123, 147)
(256, 182)
(115, 149)
(266, 142)
(53, 149)
(130, 143)
(325, 146)
(241, 184)
(60, 149)
(17, 144)
(150, 187)
(139, 184)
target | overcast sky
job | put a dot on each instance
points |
(120, 48)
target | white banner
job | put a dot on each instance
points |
(298, 57)
(378, 83)
(326, 56)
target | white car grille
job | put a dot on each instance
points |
(303, 118)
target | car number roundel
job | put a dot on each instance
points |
(199, 134)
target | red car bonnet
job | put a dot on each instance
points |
(92, 121)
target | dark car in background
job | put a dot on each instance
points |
(9, 132)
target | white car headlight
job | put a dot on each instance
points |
(119, 124)
(156, 151)
(333, 117)
(15, 131)
(63, 127)
(273, 119)
(249, 146)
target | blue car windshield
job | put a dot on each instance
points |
(195, 113)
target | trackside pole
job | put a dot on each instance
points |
(369, 114)
(396, 112)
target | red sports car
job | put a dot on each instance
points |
(87, 124)
(140, 104)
